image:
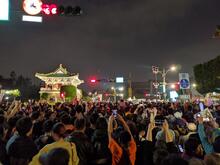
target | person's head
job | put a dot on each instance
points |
(180, 126)
(173, 160)
(124, 138)
(24, 126)
(65, 119)
(211, 159)
(193, 148)
(80, 124)
(195, 161)
(133, 128)
(101, 123)
(47, 126)
(178, 114)
(58, 131)
(12, 126)
(161, 135)
(191, 127)
(35, 115)
(216, 145)
(79, 109)
(93, 118)
(56, 156)
(159, 155)
(13, 120)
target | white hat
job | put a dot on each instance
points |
(192, 127)
(178, 115)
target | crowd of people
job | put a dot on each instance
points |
(105, 133)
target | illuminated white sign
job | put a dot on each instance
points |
(119, 79)
(31, 18)
(4, 10)
(32, 7)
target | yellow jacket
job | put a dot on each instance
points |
(70, 147)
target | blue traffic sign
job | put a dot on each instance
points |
(184, 83)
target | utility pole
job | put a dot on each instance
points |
(163, 73)
(130, 87)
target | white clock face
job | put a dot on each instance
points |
(32, 7)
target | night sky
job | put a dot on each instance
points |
(112, 38)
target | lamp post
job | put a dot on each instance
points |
(121, 89)
(163, 74)
(114, 94)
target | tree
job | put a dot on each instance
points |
(27, 89)
(207, 75)
(69, 92)
(13, 77)
(44, 96)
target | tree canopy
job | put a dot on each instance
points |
(207, 75)
(27, 89)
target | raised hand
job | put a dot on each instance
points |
(165, 125)
(151, 126)
(200, 120)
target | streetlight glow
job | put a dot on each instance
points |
(121, 88)
(172, 86)
(173, 68)
(194, 85)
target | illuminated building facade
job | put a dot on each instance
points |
(55, 80)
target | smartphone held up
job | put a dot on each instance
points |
(115, 113)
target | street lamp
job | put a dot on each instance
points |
(163, 74)
(173, 68)
(114, 94)
(194, 85)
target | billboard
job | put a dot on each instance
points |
(119, 79)
(4, 10)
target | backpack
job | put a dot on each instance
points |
(124, 158)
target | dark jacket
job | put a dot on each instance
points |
(102, 154)
(83, 147)
(43, 140)
(37, 130)
(22, 150)
(3, 154)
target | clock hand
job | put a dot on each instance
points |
(32, 5)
